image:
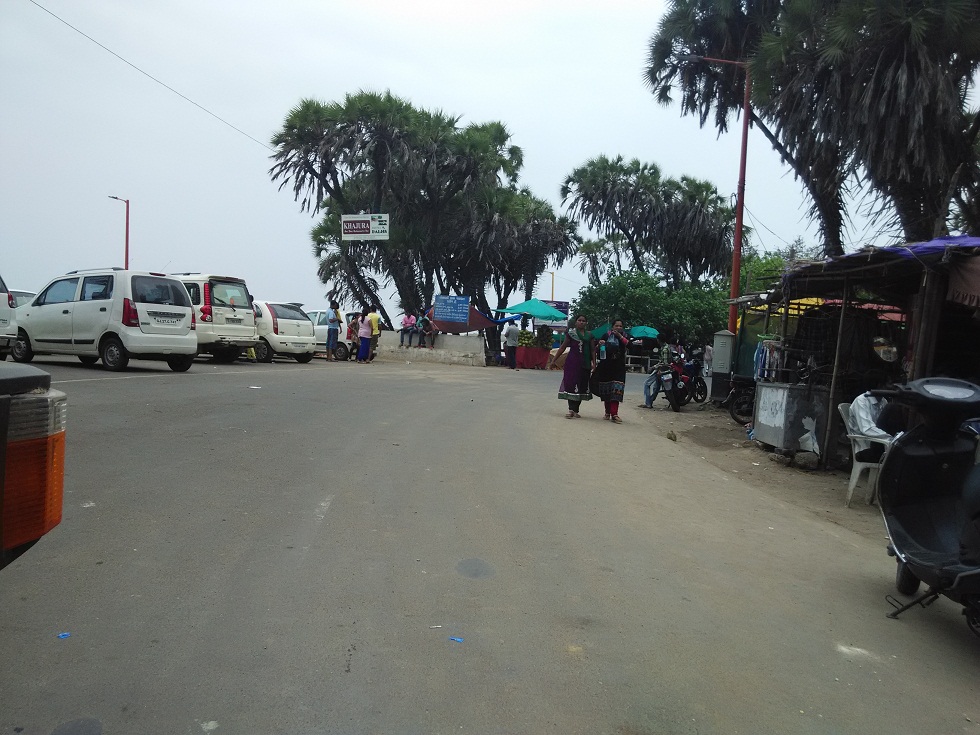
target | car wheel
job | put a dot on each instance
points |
(341, 352)
(88, 360)
(263, 353)
(114, 356)
(21, 351)
(180, 363)
(906, 582)
(304, 358)
(226, 354)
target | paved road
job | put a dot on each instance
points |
(291, 549)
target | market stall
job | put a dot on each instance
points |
(862, 320)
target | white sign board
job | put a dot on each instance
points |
(364, 226)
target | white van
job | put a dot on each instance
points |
(110, 314)
(223, 310)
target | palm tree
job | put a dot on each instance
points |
(609, 195)
(734, 29)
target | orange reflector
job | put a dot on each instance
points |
(33, 489)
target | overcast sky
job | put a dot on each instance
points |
(78, 123)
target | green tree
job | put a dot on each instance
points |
(679, 230)
(694, 313)
(441, 184)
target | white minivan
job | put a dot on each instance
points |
(110, 314)
(223, 311)
(8, 328)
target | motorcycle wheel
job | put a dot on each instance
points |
(700, 390)
(742, 407)
(906, 582)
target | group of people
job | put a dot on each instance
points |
(422, 326)
(597, 367)
(365, 331)
(593, 367)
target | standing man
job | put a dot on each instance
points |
(375, 318)
(408, 327)
(333, 329)
(511, 333)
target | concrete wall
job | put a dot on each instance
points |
(450, 349)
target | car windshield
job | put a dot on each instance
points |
(229, 293)
(22, 297)
(288, 311)
(156, 290)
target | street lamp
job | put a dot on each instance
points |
(118, 199)
(740, 196)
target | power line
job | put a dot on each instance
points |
(150, 76)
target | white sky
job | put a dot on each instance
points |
(77, 124)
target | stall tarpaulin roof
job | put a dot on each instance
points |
(889, 275)
(536, 309)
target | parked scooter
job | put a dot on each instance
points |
(741, 399)
(929, 493)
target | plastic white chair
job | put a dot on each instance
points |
(858, 468)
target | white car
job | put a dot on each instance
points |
(283, 329)
(223, 312)
(110, 314)
(8, 330)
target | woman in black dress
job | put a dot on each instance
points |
(609, 380)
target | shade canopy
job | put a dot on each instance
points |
(642, 331)
(536, 309)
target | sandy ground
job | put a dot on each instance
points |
(710, 433)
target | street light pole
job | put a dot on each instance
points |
(552, 285)
(126, 201)
(740, 193)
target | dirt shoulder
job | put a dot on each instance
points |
(710, 433)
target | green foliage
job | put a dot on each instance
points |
(459, 222)
(695, 313)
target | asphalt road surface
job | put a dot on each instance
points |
(394, 548)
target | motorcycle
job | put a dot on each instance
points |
(741, 399)
(694, 370)
(683, 382)
(669, 382)
(929, 494)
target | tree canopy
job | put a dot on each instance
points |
(867, 91)
(459, 222)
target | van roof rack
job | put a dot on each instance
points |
(89, 270)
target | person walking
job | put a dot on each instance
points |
(333, 330)
(364, 336)
(375, 318)
(408, 327)
(511, 334)
(579, 363)
(610, 372)
(709, 356)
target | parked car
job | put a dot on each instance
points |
(22, 297)
(8, 330)
(283, 329)
(320, 327)
(223, 312)
(110, 314)
(32, 432)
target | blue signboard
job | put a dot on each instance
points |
(452, 309)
